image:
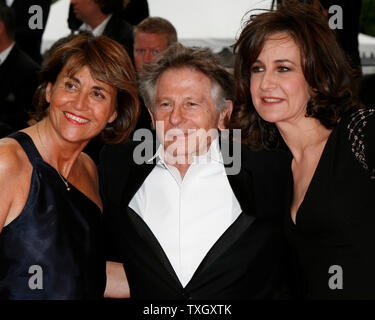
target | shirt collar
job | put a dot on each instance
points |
(5, 53)
(213, 154)
(9, 2)
(98, 31)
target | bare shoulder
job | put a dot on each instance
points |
(89, 166)
(88, 181)
(13, 159)
(14, 172)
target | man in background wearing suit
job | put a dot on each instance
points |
(135, 11)
(180, 220)
(151, 37)
(103, 17)
(18, 75)
(29, 39)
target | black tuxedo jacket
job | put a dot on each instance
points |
(136, 11)
(29, 40)
(117, 29)
(245, 263)
(121, 31)
(19, 80)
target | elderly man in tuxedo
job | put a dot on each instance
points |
(197, 216)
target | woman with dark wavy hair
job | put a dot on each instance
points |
(50, 207)
(293, 84)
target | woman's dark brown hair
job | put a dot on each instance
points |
(324, 66)
(108, 62)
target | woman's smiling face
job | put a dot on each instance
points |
(277, 84)
(80, 106)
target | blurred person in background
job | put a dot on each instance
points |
(135, 11)
(103, 17)
(18, 75)
(151, 37)
(30, 39)
(347, 36)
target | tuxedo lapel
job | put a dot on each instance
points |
(150, 240)
(137, 175)
(9, 88)
(109, 28)
(243, 189)
(133, 182)
(5, 67)
(242, 186)
(235, 154)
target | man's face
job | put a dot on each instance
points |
(185, 108)
(84, 9)
(146, 47)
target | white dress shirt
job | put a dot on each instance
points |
(4, 54)
(187, 216)
(9, 2)
(98, 31)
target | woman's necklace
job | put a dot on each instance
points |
(66, 181)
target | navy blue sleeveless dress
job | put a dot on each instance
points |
(53, 249)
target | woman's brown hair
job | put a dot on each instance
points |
(324, 66)
(108, 62)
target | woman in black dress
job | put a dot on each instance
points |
(50, 246)
(293, 85)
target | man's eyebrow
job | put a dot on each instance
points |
(158, 97)
(75, 79)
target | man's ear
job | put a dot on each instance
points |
(225, 115)
(48, 92)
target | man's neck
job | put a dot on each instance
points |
(182, 169)
(97, 20)
(5, 44)
(183, 162)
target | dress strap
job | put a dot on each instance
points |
(27, 145)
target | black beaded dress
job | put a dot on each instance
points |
(334, 233)
(52, 250)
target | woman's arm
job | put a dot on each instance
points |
(370, 142)
(117, 283)
(361, 129)
(14, 169)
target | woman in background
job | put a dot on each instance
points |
(293, 83)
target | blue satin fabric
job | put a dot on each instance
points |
(59, 232)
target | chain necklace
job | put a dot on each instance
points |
(66, 181)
